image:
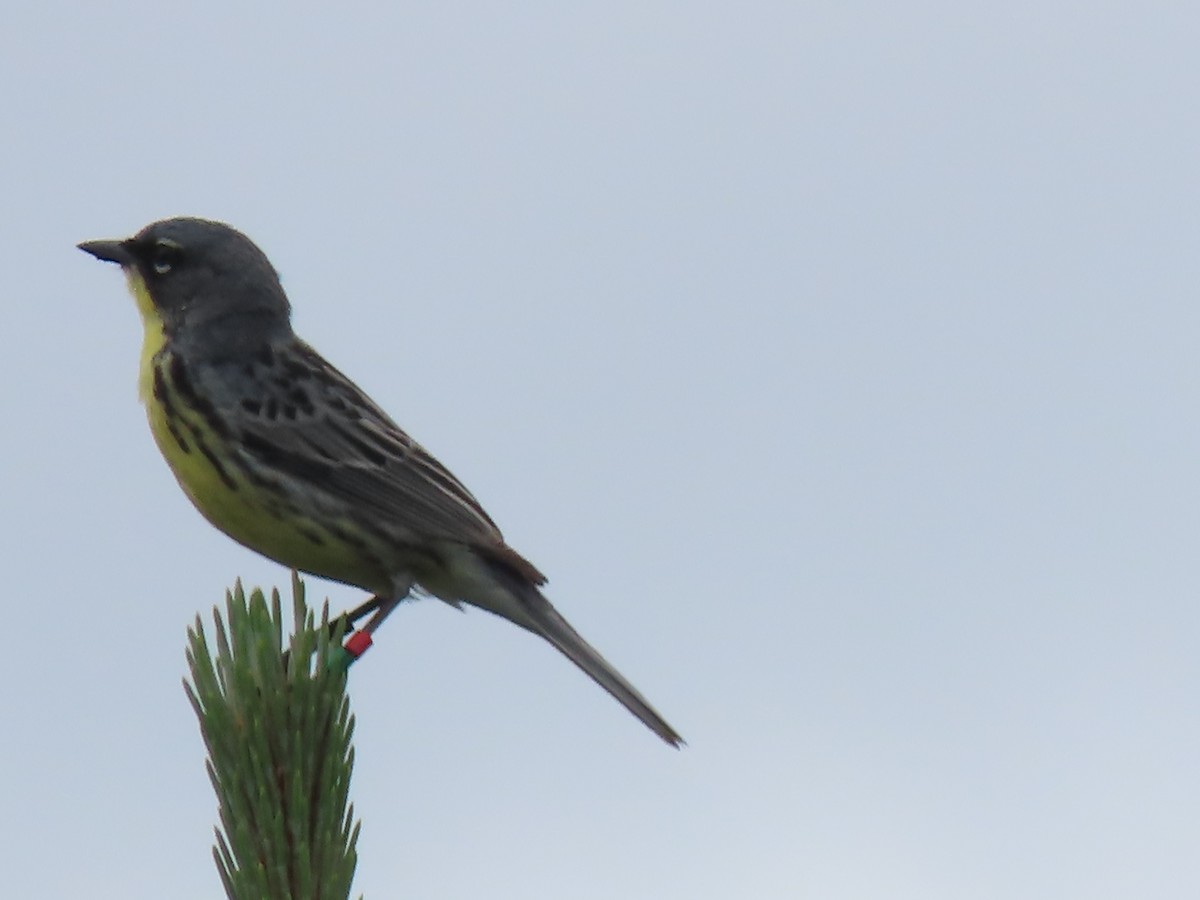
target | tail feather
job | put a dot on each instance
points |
(546, 621)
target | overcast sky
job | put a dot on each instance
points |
(836, 361)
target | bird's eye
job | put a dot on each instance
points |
(166, 256)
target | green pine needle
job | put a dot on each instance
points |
(278, 730)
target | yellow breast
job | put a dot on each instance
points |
(270, 521)
(154, 338)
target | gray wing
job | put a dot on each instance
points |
(308, 421)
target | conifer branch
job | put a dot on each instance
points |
(278, 729)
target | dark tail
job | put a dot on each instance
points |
(546, 621)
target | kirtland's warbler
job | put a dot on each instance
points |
(283, 453)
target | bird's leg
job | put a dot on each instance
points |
(383, 606)
(378, 604)
(360, 641)
(361, 610)
(355, 614)
(349, 618)
(382, 609)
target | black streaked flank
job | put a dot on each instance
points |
(170, 415)
(180, 379)
(218, 466)
(182, 382)
(179, 439)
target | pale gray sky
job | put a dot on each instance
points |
(836, 361)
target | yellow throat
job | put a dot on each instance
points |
(155, 335)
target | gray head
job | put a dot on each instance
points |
(197, 274)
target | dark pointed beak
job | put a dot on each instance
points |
(109, 251)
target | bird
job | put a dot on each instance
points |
(286, 455)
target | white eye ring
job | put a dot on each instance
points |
(165, 256)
